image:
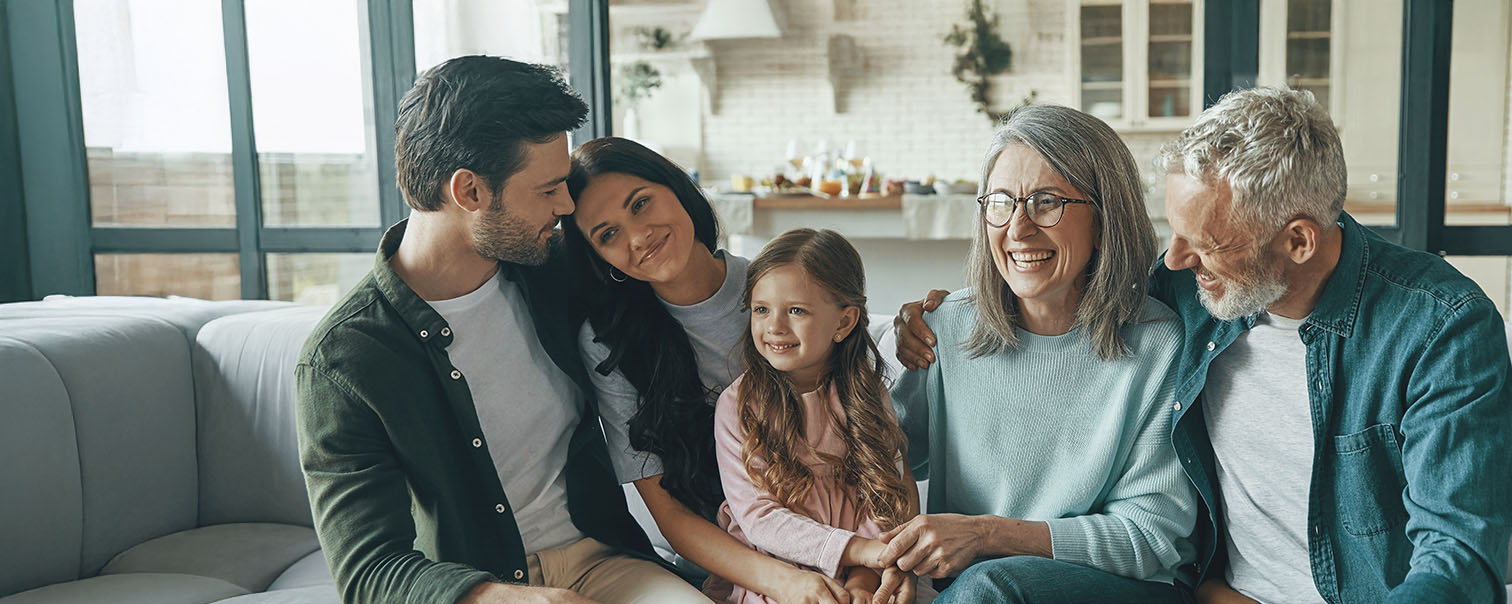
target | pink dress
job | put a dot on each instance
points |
(812, 536)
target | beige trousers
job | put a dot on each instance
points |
(597, 572)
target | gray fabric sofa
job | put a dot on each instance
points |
(152, 449)
(150, 453)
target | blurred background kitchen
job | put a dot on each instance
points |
(243, 148)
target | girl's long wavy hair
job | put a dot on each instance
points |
(675, 417)
(772, 412)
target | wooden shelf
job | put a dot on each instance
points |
(871, 202)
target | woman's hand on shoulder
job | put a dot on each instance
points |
(915, 338)
(808, 587)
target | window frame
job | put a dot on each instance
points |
(1422, 157)
(47, 238)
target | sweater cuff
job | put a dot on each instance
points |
(834, 547)
(1069, 541)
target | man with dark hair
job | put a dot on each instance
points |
(447, 434)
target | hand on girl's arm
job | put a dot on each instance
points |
(943, 545)
(897, 587)
(715, 550)
(861, 583)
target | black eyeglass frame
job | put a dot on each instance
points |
(1016, 201)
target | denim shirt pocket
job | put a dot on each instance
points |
(1370, 480)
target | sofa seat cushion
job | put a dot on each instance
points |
(320, 594)
(250, 556)
(135, 588)
(308, 571)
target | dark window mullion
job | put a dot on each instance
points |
(50, 136)
(1231, 56)
(391, 48)
(588, 61)
(15, 269)
(254, 281)
(1487, 240)
(1427, 27)
(298, 240)
(167, 240)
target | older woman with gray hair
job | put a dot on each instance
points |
(1043, 424)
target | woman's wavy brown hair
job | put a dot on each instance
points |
(771, 413)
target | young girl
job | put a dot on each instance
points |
(808, 447)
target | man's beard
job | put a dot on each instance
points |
(1257, 291)
(504, 237)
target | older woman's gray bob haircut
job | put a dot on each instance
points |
(1090, 156)
(1278, 151)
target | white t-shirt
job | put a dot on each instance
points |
(527, 406)
(716, 327)
(1260, 422)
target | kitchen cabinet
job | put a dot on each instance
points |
(1137, 64)
(1349, 52)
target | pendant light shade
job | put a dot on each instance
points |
(729, 19)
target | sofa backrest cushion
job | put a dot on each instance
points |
(42, 503)
(248, 448)
(129, 390)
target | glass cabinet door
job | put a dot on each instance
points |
(1102, 73)
(1170, 59)
(1308, 46)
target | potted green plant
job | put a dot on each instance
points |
(980, 54)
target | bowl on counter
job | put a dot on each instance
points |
(914, 187)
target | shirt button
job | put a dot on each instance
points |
(1317, 530)
(499, 508)
(424, 334)
(477, 442)
(456, 375)
(519, 574)
(445, 331)
(1211, 346)
(1176, 405)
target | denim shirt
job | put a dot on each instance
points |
(1408, 384)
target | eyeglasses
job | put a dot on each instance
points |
(1044, 209)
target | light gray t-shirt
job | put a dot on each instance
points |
(1260, 423)
(527, 406)
(716, 327)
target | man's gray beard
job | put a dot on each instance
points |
(1241, 300)
(505, 237)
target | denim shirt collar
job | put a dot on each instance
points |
(1339, 306)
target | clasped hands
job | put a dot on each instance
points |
(933, 545)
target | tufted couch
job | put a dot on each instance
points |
(150, 455)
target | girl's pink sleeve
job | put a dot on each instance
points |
(769, 525)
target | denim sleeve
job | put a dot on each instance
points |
(361, 503)
(1457, 460)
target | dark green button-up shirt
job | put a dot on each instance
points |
(407, 502)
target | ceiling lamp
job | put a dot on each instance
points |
(729, 19)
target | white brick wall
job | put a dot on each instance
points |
(905, 109)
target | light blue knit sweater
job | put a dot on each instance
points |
(1051, 432)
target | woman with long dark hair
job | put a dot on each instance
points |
(662, 340)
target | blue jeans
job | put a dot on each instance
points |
(1026, 579)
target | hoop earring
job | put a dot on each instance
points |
(617, 277)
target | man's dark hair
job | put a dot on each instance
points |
(476, 113)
